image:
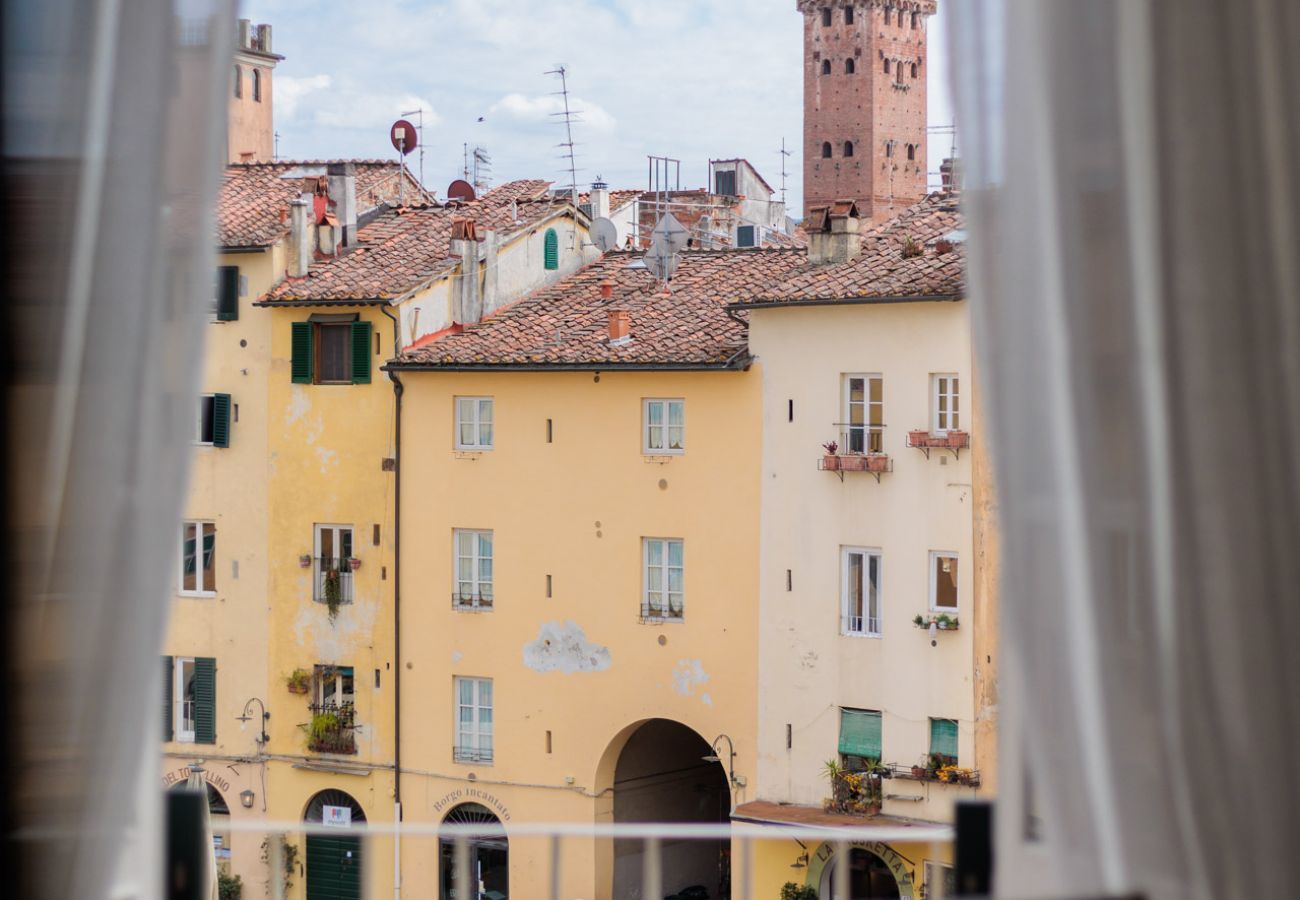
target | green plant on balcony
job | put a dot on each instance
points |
(298, 681)
(333, 591)
(857, 792)
(792, 891)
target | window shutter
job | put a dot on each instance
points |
(361, 352)
(169, 679)
(552, 249)
(860, 733)
(943, 737)
(205, 700)
(221, 420)
(227, 293)
(302, 353)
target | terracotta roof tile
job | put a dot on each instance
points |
(566, 324)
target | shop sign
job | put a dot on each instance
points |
(183, 774)
(897, 865)
(472, 795)
(338, 816)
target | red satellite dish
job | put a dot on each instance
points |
(403, 136)
(460, 190)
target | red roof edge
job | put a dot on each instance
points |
(453, 328)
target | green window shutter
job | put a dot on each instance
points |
(361, 352)
(169, 679)
(227, 293)
(943, 737)
(860, 733)
(205, 700)
(302, 353)
(221, 420)
(551, 254)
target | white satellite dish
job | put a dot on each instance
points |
(661, 260)
(671, 233)
(604, 234)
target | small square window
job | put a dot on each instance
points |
(664, 426)
(474, 423)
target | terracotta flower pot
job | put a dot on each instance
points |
(853, 463)
(877, 462)
(918, 771)
(297, 688)
(958, 440)
(305, 561)
(354, 563)
(918, 438)
(831, 462)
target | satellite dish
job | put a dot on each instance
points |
(604, 235)
(661, 260)
(402, 134)
(671, 233)
(460, 190)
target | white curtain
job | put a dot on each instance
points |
(113, 143)
(1135, 276)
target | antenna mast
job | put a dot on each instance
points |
(276, 153)
(482, 169)
(419, 126)
(785, 154)
(568, 117)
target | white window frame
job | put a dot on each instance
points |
(341, 698)
(662, 610)
(665, 404)
(935, 556)
(345, 573)
(198, 563)
(868, 625)
(868, 430)
(475, 421)
(941, 385)
(477, 729)
(477, 598)
(198, 420)
(178, 700)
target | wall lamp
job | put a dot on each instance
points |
(800, 861)
(247, 717)
(716, 756)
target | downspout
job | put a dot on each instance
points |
(398, 388)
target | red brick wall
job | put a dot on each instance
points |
(867, 107)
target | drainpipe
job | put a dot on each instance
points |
(398, 388)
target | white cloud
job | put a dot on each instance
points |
(323, 101)
(536, 109)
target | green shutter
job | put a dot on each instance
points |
(302, 353)
(860, 733)
(943, 737)
(205, 700)
(227, 293)
(361, 353)
(169, 679)
(552, 252)
(221, 420)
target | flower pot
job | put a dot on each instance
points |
(831, 463)
(853, 463)
(873, 809)
(297, 688)
(918, 772)
(958, 440)
(354, 563)
(918, 438)
(305, 560)
(877, 462)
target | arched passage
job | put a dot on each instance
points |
(334, 864)
(661, 776)
(218, 820)
(875, 870)
(489, 856)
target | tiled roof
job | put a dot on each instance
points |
(566, 324)
(253, 202)
(903, 257)
(523, 189)
(401, 249)
(617, 199)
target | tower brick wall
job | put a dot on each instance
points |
(850, 98)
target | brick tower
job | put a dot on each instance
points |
(864, 66)
(250, 132)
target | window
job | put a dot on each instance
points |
(190, 699)
(662, 596)
(334, 711)
(473, 569)
(239, 81)
(864, 414)
(473, 423)
(886, 67)
(916, 20)
(943, 740)
(848, 148)
(746, 236)
(665, 426)
(946, 411)
(936, 872)
(335, 687)
(212, 425)
(225, 303)
(332, 566)
(257, 85)
(861, 604)
(331, 349)
(914, 70)
(859, 736)
(943, 580)
(849, 67)
(725, 183)
(826, 18)
(198, 558)
(473, 720)
(848, 15)
(826, 67)
(889, 149)
(826, 150)
(551, 249)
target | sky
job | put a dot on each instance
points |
(689, 79)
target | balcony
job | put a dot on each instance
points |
(925, 441)
(938, 769)
(859, 449)
(467, 601)
(654, 612)
(471, 754)
(332, 728)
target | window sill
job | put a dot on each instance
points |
(862, 634)
(471, 452)
(197, 594)
(654, 619)
(470, 608)
(470, 760)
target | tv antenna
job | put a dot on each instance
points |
(667, 241)
(419, 126)
(482, 168)
(275, 154)
(785, 154)
(568, 117)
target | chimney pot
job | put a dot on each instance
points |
(620, 326)
(607, 289)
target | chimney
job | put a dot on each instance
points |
(833, 235)
(606, 290)
(342, 189)
(620, 325)
(599, 199)
(299, 236)
(467, 298)
(264, 38)
(245, 34)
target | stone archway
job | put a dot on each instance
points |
(489, 855)
(875, 870)
(334, 864)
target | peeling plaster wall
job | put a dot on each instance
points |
(563, 647)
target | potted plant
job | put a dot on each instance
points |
(792, 891)
(354, 563)
(877, 462)
(298, 681)
(333, 591)
(304, 560)
(958, 440)
(918, 437)
(831, 462)
(854, 462)
(918, 772)
(919, 621)
(933, 763)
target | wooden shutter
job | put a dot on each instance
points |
(169, 681)
(361, 352)
(943, 737)
(301, 368)
(221, 420)
(205, 700)
(860, 733)
(551, 253)
(227, 293)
